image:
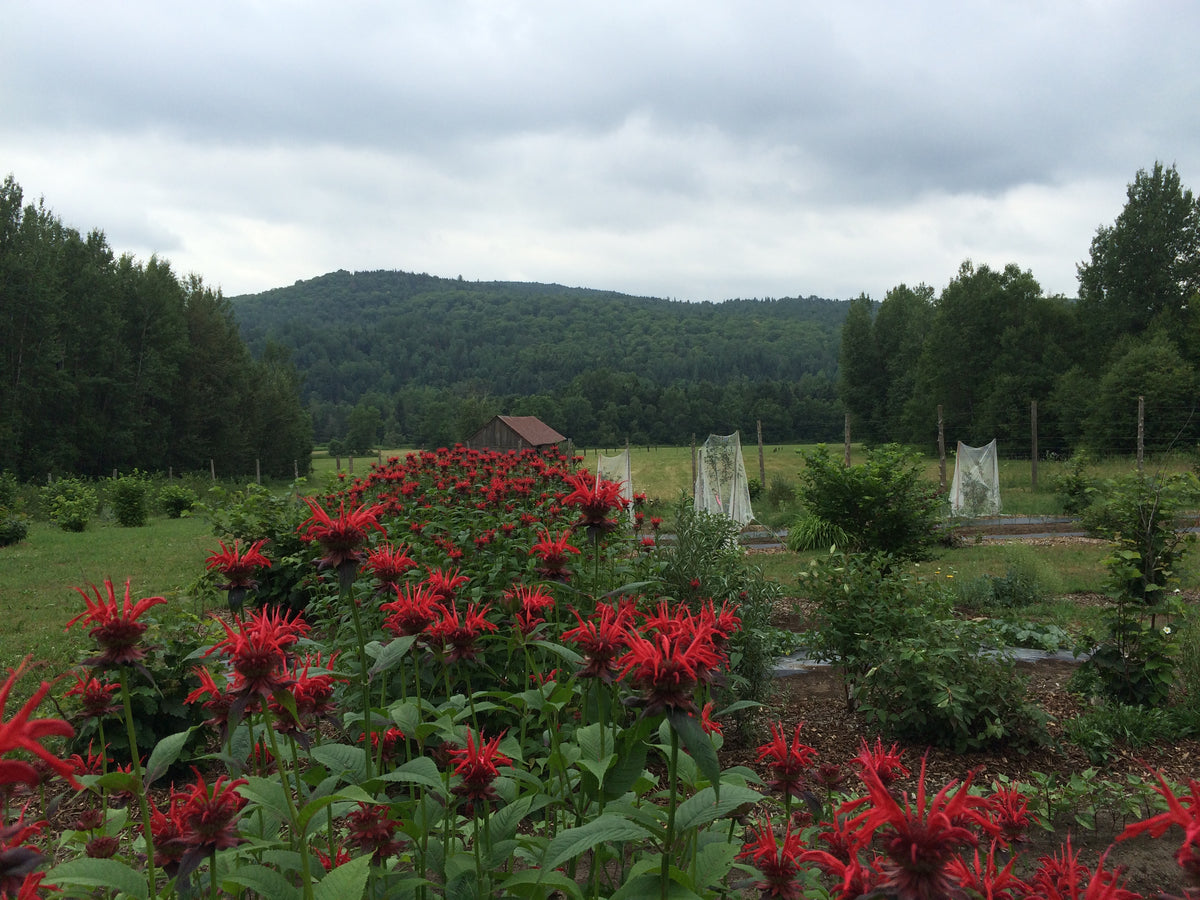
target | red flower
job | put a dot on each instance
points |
(445, 585)
(95, 696)
(18, 860)
(601, 637)
(1010, 812)
(667, 669)
(1062, 878)
(459, 633)
(477, 766)
(983, 879)
(920, 842)
(22, 733)
(342, 538)
(257, 650)
(388, 564)
(312, 692)
(1185, 814)
(208, 815)
(553, 552)
(595, 498)
(237, 566)
(778, 862)
(219, 699)
(789, 763)
(884, 763)
(340, 857)
(413, 610)
(372, 827)
(707, 722)
(116, 630)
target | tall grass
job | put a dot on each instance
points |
(37, 577)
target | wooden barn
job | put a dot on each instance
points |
(514, 433)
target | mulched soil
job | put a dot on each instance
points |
(817, 698)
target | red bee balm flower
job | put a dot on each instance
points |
(595, 499)
(22, 733)
(116, 630)
(477, 765)
(601, 638)
(258, 652)
(388, 564)
(553, 552)
(778, 862)
(920, 842)
(413, 610)
(239, 567)
(460, 633)
(342, 538)
(789, 763)
(95, 696)
(667, 669)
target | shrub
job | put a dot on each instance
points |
(909, 668)
(1075, 489)
(129, 498)
(811, 532)
(175, 500)
(884, 505)
(70, 503)
(1020, 585)
(14, 527)
(754, 488)
(1134, 662)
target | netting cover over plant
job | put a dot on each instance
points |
(721, 484)
(975, 490)
(616, 468)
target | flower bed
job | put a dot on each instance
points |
(486, 680)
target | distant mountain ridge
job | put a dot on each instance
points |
(352, 333)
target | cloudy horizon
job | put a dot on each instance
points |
(697, 151)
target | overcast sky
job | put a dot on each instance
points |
(696, 150)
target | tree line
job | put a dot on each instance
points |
(109, 363)
(991, 342)
(413, 359)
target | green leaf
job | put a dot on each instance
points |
(166, 752)
(346, 882)
(103, 873)
(572, 842)
(350, 761)
(698, 744)
(537, 884)
(559, 650)
(266, 792)
(263, 881)
(421, 770)
(705, 807)
(391, 654)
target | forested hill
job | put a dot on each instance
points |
(354, 333)
(400, 358)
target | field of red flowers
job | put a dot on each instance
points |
(488, 679)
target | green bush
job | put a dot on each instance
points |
(883, 505)
(129, 497)
(811, 532)
(14, 527)
(69, 503)
(175, 500)
(909, 668)
(1104, 731)
(1074, 488)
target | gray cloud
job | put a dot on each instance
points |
(699, 150)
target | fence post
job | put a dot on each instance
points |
(941, 450)
(762, 463)
(257, 471)
(1033, 454)
(1141, 434)
(212, 469)
(693, 464)
(846, 441)
(296, 469)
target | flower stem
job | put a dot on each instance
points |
(669, 841)
(139, 783)
(369, 751)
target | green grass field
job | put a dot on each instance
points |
(167, 555)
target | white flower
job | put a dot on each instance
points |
(1166, 629)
